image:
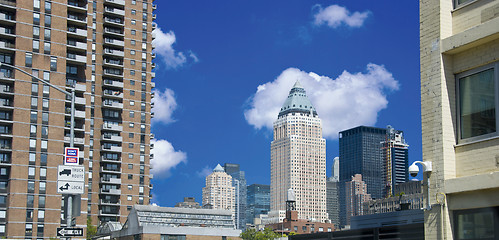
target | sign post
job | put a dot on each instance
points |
(70, 182)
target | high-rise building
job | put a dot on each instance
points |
(258, 201)
(459, 56)
(379, 154)
(355, 197)
(361, 153)
(239, 182)
(298, 158)
(102, 51)
(333, 201)
(219, 192)
(396, 159)
(335, 169)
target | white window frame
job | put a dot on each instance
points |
(459, 76)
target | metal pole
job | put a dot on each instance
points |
(71, 137)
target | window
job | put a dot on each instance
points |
(46, 76)
(134, 12)
(29, 59)
(36, 32)
(32, 158)
(48, 6)
(29, 228)
(48, 20)
(46, 47)
(477, 103)
(132, 52)
(31, 186)
(132, 62)
(476, 223)
(34, 88)
(36, 18)
(32, 143)
(41, 201)
(130, 135)
(34, 102)
(130, 145)
(132, 42)
(47, 34)
(129, 198)
(132, 114)
(130, 166)
(31, 172)
(42, 187)
(132, 93)
(458, 3)
(36, 45)
(36, 4)
(133, 32)
(53, 63)
(130, 155)
(132, 103)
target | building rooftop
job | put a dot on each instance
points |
(297, 102)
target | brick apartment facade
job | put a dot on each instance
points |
(102, 50)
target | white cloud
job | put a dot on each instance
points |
(348, 101)
(165, 158)
(164, 48)
(164, 105)
(207, 170)
(336, 15)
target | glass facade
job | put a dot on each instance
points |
(258, 201)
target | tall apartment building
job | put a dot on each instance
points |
(239, 182)
(298, 158)
(396, 159)
(258, 201)
(459, 47)
(335, 169)
(355, 197)
(219, 192)
(101, 50)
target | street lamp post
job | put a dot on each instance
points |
(69, 208)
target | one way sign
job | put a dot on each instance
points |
(70, 232)
(67, 187)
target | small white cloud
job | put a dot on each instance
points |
(164, 105)
(348, 101)
(335, 15)
(207, 170)
(165, 158)
(164, 48)
(193, 56)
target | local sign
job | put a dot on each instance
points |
(68, 187)
(69, 232)
(71, 156)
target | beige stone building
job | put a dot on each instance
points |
(459, 111)
(298, 159)
(355, 197)
(102, 50)
(219, 192)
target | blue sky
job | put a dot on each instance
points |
(358, 61)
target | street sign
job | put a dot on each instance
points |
(68, 187)
(71, 156)
(71, 173)
(69, 232)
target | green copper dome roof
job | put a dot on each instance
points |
(297, 102)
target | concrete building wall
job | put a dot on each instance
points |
(455, 40)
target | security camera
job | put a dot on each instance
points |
(413, 170)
